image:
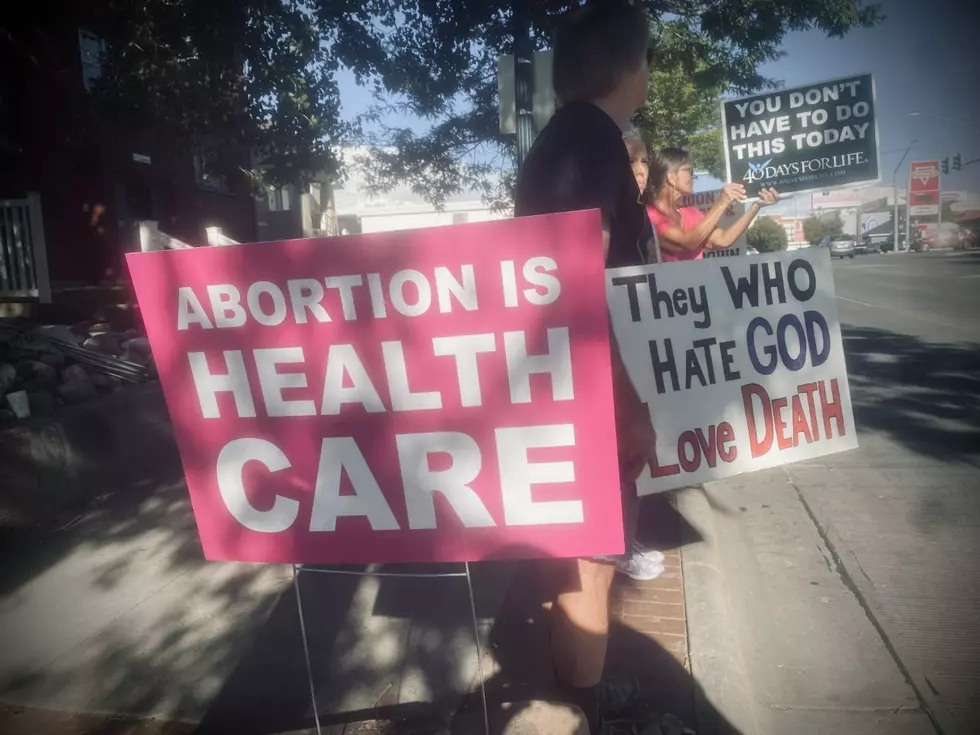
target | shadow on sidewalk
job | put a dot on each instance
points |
(268, 692)
(925, 396)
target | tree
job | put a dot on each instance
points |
(258, 72)
(767, 236)
(264, 71)
(817, 227)
(438, 62)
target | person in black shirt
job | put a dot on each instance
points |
(600, 69)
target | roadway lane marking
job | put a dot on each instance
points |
(855, 301)
(975, 275)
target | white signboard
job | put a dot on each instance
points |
(705, 200)
(739, 360)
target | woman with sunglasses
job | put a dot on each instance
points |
(684, 232)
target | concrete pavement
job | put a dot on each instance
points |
(864, 566)
(119, 614)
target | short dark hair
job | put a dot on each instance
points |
(663, 162)
(594, 46)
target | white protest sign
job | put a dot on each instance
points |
(704, 201)
(739, 360)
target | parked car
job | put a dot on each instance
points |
(842, 246)
(867, 246)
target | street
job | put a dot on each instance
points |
(901, 515)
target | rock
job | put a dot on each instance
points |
(58, 332)
(546, 718)
(8, 376)
(138, 345)
(36, 374)
(100, 380)
(80, 330)
(73, 373)
(77, 390)
(102, 342)
(41, 403)
(54, 359)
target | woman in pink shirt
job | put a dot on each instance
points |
(684, 232)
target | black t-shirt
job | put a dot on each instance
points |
(579, 161)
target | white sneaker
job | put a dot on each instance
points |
(638, 567)
(651, 555)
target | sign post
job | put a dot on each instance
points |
(803, 139)
(923, 198)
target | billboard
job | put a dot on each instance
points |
(438, 394)
(809, 138)
(924, 188)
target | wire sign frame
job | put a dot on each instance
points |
(300, 569)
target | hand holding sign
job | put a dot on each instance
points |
(732, 194)
(768, 197)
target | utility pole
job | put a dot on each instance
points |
(523, 81)
(895, 199)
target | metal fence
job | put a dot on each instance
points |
(23, 256)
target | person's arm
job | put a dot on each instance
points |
(675, 239)
(724, 237)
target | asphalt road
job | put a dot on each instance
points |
(902, 513)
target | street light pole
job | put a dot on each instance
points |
(895, 199)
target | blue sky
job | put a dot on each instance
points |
(925, 60)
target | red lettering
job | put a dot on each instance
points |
(688, 438)
(708, 445)
(808, 389)
(757, 446)
(666, 471)
(726, 435)
(832, 409)
(782, 441)
(800, 425)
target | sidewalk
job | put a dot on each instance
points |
(118, 614)
(777, 638)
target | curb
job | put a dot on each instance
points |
(723, 701)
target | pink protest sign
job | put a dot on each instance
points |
(426, 395)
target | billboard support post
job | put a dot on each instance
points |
(895, 199)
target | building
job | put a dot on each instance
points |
(95, 181)
(407, 216)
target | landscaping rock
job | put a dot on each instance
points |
(8, 376)
(77, 391)
(54, 359)
(41, 403)
(102, 342)
(36, 375)
(74, 373)
(58, 332)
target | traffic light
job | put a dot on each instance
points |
(945, 165)
(957, 162)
